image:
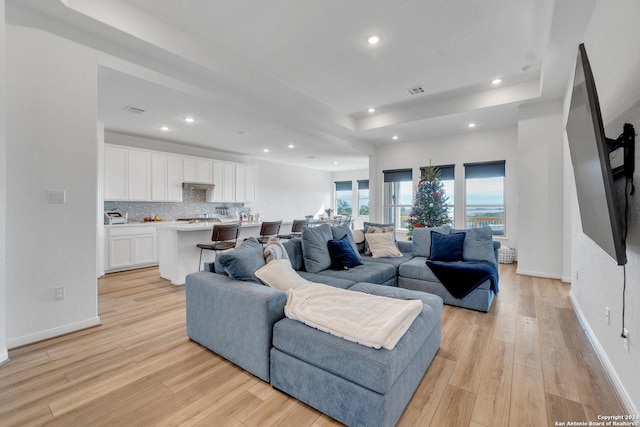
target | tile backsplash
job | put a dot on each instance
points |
(193, 205)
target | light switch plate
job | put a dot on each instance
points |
(56, 196)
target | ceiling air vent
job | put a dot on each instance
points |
(134, 110)
(415, 90)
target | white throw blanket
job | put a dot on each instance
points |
(370, 320)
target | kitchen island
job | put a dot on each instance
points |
(177, 251)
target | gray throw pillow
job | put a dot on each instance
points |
(315, 251)
(478, 245)
(242, 262)
(339, 231)
(422, 239)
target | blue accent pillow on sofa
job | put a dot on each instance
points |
(447, 247)
(343, 257)
(242, 262)
(422, 239)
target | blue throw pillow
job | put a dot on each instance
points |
(343, 257)
(242, 262)
(447, 248)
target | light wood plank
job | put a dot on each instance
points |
(455, 408)
(527, 348)
(528, 406)
(468, 370)
(494, 393)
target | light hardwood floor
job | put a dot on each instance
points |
(525, 363)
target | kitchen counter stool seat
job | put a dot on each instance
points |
(223, 237)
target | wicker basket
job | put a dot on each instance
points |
(506, 255)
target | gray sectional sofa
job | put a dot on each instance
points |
(244, 322)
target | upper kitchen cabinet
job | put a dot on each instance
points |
(245, 183)
(224, 183)
(115, 173)
(166, 178)
(139, 175)
(197, 170)
(126, 174)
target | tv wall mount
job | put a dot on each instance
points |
(622, 153)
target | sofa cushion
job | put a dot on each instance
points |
(394, 261)
(294, 251)
(314, 248)
(422, 239)
(447, 248)
(343, 255)
(478, 244)
(373, 272)
(280, 275)
(327, 280)
(242, 262)
(416, 268)
(382, 245)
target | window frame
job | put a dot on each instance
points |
(396, 177)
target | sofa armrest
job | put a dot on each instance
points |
(233, 318)
(496, 248)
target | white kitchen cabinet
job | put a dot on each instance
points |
(166, 178)
(115, 173)
(245, 184)
(197, 170)
(129, 247)
(139, 175)
(224, 183)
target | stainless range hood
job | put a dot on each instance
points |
(197, 186)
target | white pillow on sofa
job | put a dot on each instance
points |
(382, 245)
(279, 274)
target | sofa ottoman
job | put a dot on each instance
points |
(354, 384)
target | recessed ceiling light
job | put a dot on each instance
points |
(189, 119)
(291, 146)
(373, 40)
(471, 125)
(371, 110)
(266, 150)
(164, 128)
(395, 137)
(496, 81)
(335, 163)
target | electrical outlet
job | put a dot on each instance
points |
(607, 315)
(58, 293)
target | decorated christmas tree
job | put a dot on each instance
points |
(430, 206)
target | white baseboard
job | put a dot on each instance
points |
(538, 274)
(626, 401)
(4, 356)
(52, 333)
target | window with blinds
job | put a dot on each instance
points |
(398, 196)
(484, 195)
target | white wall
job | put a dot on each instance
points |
(469, 147)
(540, 192)
(3, 206)
(51, 145)
(290, 192)
(613, 47)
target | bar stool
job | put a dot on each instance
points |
(296, 229)
(269, 228)
(223, 237)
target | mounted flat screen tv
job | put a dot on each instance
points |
(601, 207)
